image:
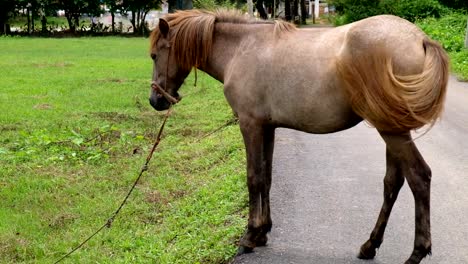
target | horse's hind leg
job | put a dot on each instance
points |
(392, 184)
(259, 140)
(418, 175)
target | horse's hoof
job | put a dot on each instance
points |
(418, 255)
(244, 250)
(367, 251)
(262, 240)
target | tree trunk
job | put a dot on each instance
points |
(133, 21)
(44, 24)
(71, 25)
(138, 22)
(29, 20)
(77, 21)
(113, 22)
(144, 26)
(250, 7)
(261, 10)
(303, 12)
(33, 11)
(296, 11)
(287, 10)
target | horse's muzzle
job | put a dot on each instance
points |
(160, 99)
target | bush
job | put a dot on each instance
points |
(214, 4)
(351, 10)
(449, 30)
(413, 10)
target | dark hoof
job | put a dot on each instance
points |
(367, 251)
(418, 255)
(261, 240)
(244, 250)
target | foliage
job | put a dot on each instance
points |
(75, 129)
(139, 9)
(76, 9)
(214, 4)
(449, 30)
(351, 10)
(459, 62)
(412, 9)
(456, 4)
(6, 9)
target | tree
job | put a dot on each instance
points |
(114, 6)
(139, 9)
(6, 9)
(187, 4)
(303, 12)
(75, 8)
(287, 10)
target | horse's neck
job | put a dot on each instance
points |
(226, 41)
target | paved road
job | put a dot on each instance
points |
(327, 191)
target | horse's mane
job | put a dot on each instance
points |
(193, 32)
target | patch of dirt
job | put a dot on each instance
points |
(60, 221)
(10, 246)
(155, 197)
(9, 127)
(187, 131)
(113, 116)
(43, 106)
(57, 64)
(112, 80)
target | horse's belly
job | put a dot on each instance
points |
(319, 122)
(318, 108)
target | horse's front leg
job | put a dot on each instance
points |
(268, 146)
(259, 140)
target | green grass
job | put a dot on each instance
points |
(75, 128)
(450, 30)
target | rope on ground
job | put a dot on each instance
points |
(111, 219)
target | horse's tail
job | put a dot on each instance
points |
(395, 103)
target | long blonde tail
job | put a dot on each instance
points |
(396, 103)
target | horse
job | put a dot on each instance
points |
(382, 69)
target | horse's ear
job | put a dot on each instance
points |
(163, 27)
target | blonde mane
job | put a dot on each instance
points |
(192, 35)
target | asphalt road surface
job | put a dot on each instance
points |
(327, 192)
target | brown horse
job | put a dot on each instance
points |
(382, 69)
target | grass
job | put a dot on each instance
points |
(75, 128)
(450, 31)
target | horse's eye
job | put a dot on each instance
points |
(153, 56)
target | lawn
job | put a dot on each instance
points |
(75, 129)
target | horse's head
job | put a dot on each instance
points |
(167, 74)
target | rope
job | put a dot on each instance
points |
(144, 168)
(111, 219)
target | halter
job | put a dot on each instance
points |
(155, 86)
